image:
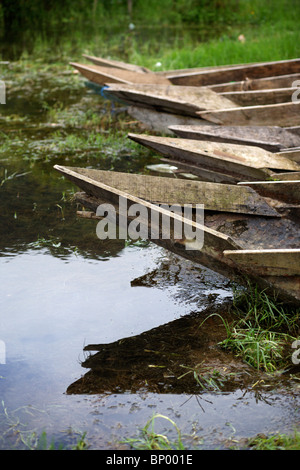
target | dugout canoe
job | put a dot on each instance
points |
(116, 64)
(226, 239)
(161, 122)
(256, 84)
(214, 159)
(102, 75)
(238, 73)
(271, 138)
(282, 114)
(282, 72)
(185, 101)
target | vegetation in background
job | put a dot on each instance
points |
(130, 29)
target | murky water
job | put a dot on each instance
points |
(66, 295)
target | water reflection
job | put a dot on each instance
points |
(62, 288)
(182, 356)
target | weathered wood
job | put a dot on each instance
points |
(288, 191)
(293, 154)
(248, 162)
(260, 97)
(159, 121)
(285, 114)
(170, 72)
(294, 130)
(202, 173)
(103, 75)
(115, 64)
(161, 190)
(268, 262)
(102, 192)
(283, 81)
(272, 139)
(173, 99)
(288, 176)
(251, 71)
(239, 232)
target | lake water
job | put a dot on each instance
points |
(62, 289)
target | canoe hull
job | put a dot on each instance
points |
(221, 233)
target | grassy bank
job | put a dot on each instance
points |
(167, 35)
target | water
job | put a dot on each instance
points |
(63, 290)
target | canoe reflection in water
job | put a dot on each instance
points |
(182, 356)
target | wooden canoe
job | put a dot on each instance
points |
(284, 115)
(160, 190)
(161, 121)
(237, 161)
(287, 191)
(282, 81)
(136, 68)
(292, 154)
(260, 97)
(116, 64)
(238, 73)
(186, 101)
(102, 75)
(271, 138)
(294, 130)
(225, 234)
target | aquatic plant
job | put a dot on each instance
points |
(276, 441)
(208, 378)
(151, 440)
(263, 330)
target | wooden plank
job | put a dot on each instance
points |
(246, 232)
(270, 138)
(293, 154)
(283, 81)
(260, 97)
(115, 64)
(202, 173)
(285, 114)
(294, 129)
(278, 262)
(288, 191)
(266, 69)
(161, 190)
(250, 162)
(177, 100)
(103, 75)
(159, 121)
(288, 176)
(201, 69)
(103, 192)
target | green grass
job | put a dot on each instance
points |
(184, 35)
(263, 330)
(276, 442)
(149, 439)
